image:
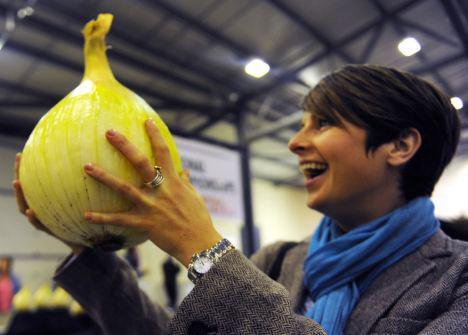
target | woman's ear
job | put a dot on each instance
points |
(404, 147)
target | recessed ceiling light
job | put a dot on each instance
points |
(457, 103)
(409, 46)
(257, 68)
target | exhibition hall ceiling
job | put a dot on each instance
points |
(187, 59)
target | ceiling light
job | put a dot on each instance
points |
(24, 12)
(257, 68)
(457, 103)
(409, 46)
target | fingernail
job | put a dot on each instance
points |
(149, 122)
(88, 167)
(88, 216)
(111, 132)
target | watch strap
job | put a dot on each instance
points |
(212, 254)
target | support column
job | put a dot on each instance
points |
(250, 238)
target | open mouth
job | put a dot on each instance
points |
(313, 170)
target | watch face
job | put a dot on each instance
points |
(202, 264)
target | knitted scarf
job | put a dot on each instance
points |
(335, 260)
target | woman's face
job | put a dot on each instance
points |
(4, 266)
(342, 180)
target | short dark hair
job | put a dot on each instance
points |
(386, 102)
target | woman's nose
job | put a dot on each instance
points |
(297, 144)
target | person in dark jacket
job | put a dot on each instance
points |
(372, 144)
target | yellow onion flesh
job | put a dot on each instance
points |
(72, 134)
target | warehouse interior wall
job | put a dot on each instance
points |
(280, 213)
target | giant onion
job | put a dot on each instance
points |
(72, 134)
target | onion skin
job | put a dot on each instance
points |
(72, 134)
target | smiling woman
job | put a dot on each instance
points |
(372, 144)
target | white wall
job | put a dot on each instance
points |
(38, 253)
(279, 212)
(451, 193)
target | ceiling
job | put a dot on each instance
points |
(186, 59)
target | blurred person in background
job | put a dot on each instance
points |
(170, 270)
(372, 144)
(456, 228)
(9, 284)
(133, 258)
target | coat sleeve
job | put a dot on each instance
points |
(234, 297)
(107, 288)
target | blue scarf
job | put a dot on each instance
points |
(335, 260)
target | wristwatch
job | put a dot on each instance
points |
(202, 262)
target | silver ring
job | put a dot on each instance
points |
(158, 180)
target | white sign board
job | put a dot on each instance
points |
(215, 173)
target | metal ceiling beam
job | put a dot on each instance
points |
(157, 53)
(73, 38)
(285, 122)
(44, 104)
(22, 128)
(290, 75)
(284, 162)
(440, 63)
(429, 67)
(367, 51)
(464, 8)
(18, 88)
(211, 122)
(47, 104)
(394, 21)
(295, 181)
(238, 48)
(76, 67)
(314, 32)
(428, 32)
(451, 8)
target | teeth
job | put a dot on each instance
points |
(313, 166)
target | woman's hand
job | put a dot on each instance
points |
(173, 214)
(25, 210)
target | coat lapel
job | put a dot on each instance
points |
(392, 284)
(382, 293)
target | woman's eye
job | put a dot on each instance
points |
(321, 123)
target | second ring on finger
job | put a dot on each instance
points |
(157, 180)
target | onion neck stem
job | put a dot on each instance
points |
(96, 64)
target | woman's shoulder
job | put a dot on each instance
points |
(450, 256)
(443, 244)
(266, 255)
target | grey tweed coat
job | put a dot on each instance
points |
(424, 293)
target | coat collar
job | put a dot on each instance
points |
(384, 291)
(394, 282)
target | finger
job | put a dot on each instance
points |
(20, 200)
(160, 148)
(114, 219)
(185, 177)
(124, 188)
(139, 161)
(35, 222)
(17, 164)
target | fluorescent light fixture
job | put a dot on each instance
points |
(24, 12)
(457, 103)
(409, 46)
(257, 68)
